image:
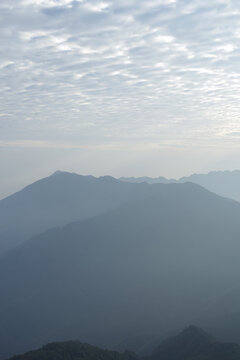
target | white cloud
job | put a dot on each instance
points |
(124, 69)
(98, 6)
(47, 3)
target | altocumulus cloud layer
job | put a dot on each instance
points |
(103, 74)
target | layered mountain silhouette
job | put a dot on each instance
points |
(191, 344)
(148, 266)
(65, 197)
(60, 199)
(223, 183)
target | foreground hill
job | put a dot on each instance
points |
(194, 344)
(148, 266)
(191, 344)
(60, 199)
(73, 350)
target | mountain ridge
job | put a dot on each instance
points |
(224, 183)
(58, 200)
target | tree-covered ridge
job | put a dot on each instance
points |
(73, 350)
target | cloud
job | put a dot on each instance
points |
(101, 71)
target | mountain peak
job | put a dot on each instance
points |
(62, 172)
(193, 332)
(194, 343)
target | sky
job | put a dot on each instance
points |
(118, 87)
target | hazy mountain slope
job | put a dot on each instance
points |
(60, 199)
(194, 344)
(223, 183)
(73, 350)
(148, 266)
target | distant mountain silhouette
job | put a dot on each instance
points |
(194, 344)
(149, 180)
(60, 199)
(148, 266)
(223, 183)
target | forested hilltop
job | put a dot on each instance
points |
(74, 350)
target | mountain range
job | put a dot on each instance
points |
(150, 263)
(60, 199)
(66, 197)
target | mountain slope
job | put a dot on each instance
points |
(60, 199)
(148, 266)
